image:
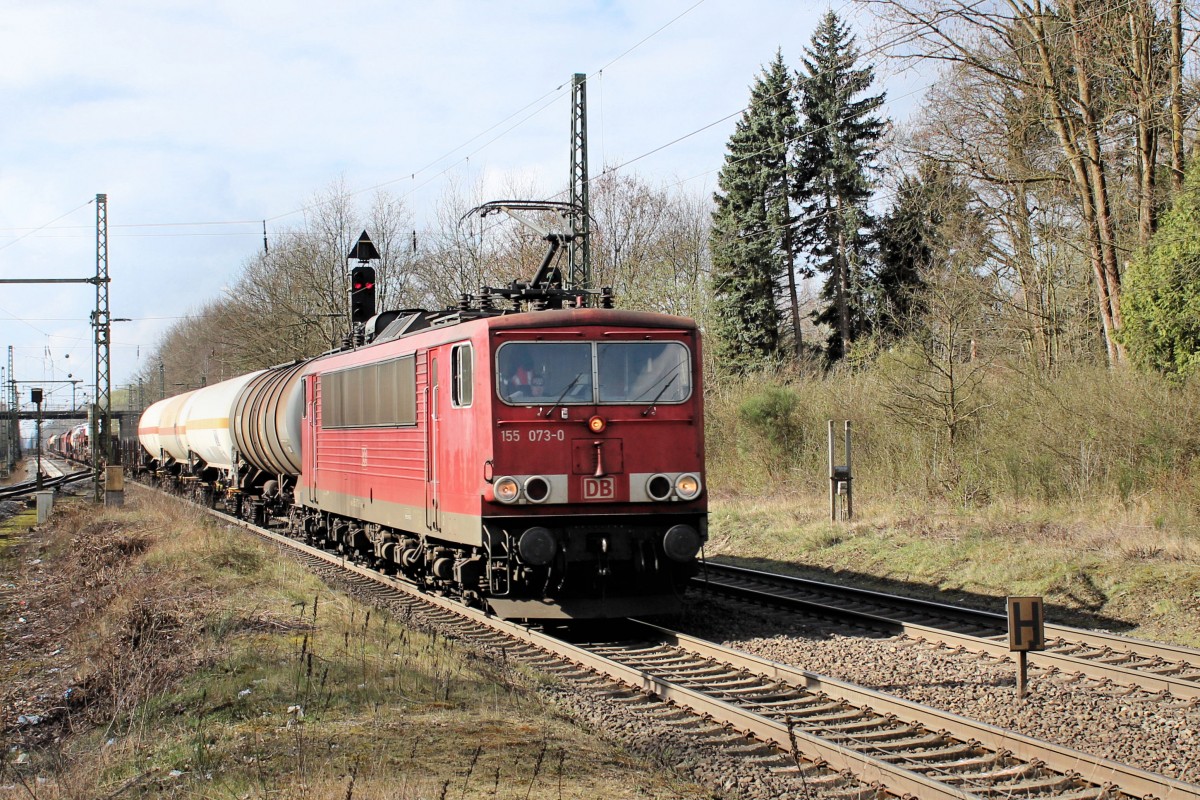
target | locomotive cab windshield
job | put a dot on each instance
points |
(594, 373)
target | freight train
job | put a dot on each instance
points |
(73, 444)
(541, 464)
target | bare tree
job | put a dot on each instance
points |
(990, 138)
(1092, 71)
(650, 245)
(935, 379)
(293, 300)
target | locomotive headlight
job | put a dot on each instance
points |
(658, 487)
(597, 424)
(537, 489)
(507, 489)
(687, 486)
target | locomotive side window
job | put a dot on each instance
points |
(643, 372)
(535, 373)
(376, 395)
(462, 365)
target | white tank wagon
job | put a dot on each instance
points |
(170, 435)
(253, 420)
(267, 416)
(148, 427)
(205, 422)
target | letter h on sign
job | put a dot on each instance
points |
(1026, 624)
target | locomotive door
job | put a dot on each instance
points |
(433, 516)
(308, 453)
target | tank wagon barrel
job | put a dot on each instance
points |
(253, 417)
(265, 419)
(170, 432)
(205, 422)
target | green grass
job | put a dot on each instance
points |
(16, 525)
(1083, 488)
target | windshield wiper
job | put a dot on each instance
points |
(658, 396)
(570, 386)
(670, 373)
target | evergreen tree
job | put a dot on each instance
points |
(838, 144)
(906, 238)
(752, 225)
(1161, 299)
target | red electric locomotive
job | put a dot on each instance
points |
(542, 463)
(548, 463)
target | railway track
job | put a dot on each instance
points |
(1151, 666)
(811, 732)
(29, 487)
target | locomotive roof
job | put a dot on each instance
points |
(591, 317)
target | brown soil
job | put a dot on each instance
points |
(54, 680)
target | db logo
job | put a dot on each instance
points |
(599, 489)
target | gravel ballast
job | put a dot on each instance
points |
(1133, 727)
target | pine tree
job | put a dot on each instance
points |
(932, 229)
(752, 225)
(905, 254)
(838, 144)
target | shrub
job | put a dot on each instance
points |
(771, 426)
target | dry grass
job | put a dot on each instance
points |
(198, 663)
(1094, 570)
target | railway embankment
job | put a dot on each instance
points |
(1079, 487)
(150, 651)
(1095, 571)
(147, 651)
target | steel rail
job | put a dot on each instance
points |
(29, 487)
(1052, 659)
(991, 619)
(899, 781)
(1106, 775)
(1131, 780)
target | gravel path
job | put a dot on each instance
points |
(1132, 727)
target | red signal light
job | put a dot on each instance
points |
(362, 293)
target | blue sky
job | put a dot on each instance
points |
(218, 112)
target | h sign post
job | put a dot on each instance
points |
(1026, 631)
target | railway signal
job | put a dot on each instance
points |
(1026, 631)
(841, 495)
(35, 396)
(362, 280)
(362, 294)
